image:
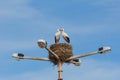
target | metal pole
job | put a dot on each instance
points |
(90, 53)
(83, 55)
(32, 58)
(60, 71)
(56, 56)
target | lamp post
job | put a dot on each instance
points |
(43, 44)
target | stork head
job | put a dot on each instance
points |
(62, 29)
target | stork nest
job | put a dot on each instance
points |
(62, 50)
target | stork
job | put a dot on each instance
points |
(57, 36)
(65, 36)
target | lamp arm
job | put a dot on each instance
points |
(49, 50)
(32, 58)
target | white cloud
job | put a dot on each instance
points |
(103, 2)
(19, 9)
(90, 29)
(94, 69)
(16, 45)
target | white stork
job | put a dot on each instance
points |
(65, 36)
(57, 36)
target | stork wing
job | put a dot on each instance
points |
(57, 39)
(67, 39)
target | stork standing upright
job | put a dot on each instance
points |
(57, 36)
(65, 36)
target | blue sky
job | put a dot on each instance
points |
(89, 23)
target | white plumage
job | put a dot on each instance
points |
(65, 36)
(57, 36)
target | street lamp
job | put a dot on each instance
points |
(105, 49)
(42, 43)
(59, 50)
